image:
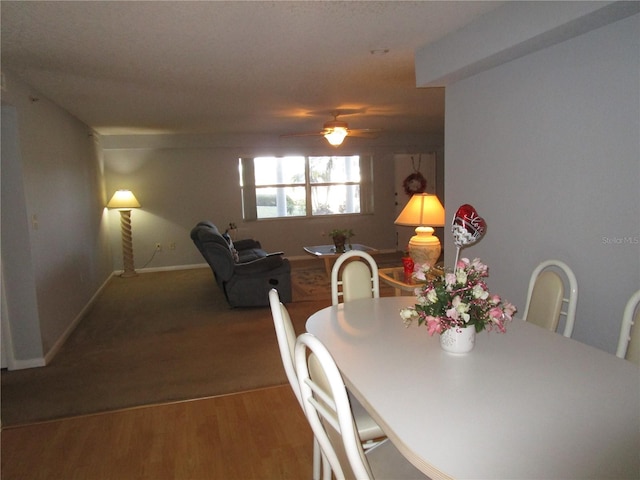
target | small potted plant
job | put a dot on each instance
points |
(340, 238)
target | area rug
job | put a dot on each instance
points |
(310, 282)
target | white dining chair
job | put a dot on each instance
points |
(328, 411)
(629, 341)
(357, 279)
(550, 296)
(369, 431)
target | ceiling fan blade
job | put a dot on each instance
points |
(335, 112)
(365, 132)
(304, 134)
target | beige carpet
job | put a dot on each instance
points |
(154, 338)
(161, 337)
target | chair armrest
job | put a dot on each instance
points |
(260, 265)
(246, 244)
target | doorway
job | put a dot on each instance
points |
(409, 172)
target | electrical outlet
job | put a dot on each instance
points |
(172, 246)
(158, 247)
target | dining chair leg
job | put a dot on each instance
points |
(326, 468)
(317, 465)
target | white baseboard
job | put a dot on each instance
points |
(28, 363)
(166, 269)
(69, 330)
(174, 267)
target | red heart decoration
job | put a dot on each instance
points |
(467, 226)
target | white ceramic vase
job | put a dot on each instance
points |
(458, 340)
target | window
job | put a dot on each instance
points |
(298, 186)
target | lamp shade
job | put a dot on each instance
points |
(423, 209)
(123, 199)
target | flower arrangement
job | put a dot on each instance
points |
(457, 299)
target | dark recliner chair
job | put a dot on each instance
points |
(242, 269)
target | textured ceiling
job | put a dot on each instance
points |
(231, 67)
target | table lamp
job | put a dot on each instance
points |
(423, 211)
(124, 201)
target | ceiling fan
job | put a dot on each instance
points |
(336, 130)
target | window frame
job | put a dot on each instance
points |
(248, 187)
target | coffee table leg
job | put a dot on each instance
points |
(328, 265)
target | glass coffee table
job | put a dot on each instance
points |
(401, 282)
(404, 284)
(328, 253)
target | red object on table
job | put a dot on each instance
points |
(407, 263)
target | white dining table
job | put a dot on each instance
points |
(526, 404)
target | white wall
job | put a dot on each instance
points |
(22, 344)
(546, 148)
(182, 180)
(60, 221)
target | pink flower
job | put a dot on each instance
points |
(509, 310)
(462, 263)
(495, 314)
(479, 267)
(433, 325)
(418, 273)
(500, 326)
(449, 280)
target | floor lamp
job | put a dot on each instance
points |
(423, 211)
(124, 201)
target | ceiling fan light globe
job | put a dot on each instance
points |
(336, 136)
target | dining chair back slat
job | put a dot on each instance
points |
(550, 296)
(354, 276)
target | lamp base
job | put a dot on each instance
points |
(129, 269)
(424, 248)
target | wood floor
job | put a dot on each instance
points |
(260, 434)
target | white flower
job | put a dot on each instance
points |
(432, 296)
(462, 308)
(479, 292)
(461, 276)
(408, 315)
